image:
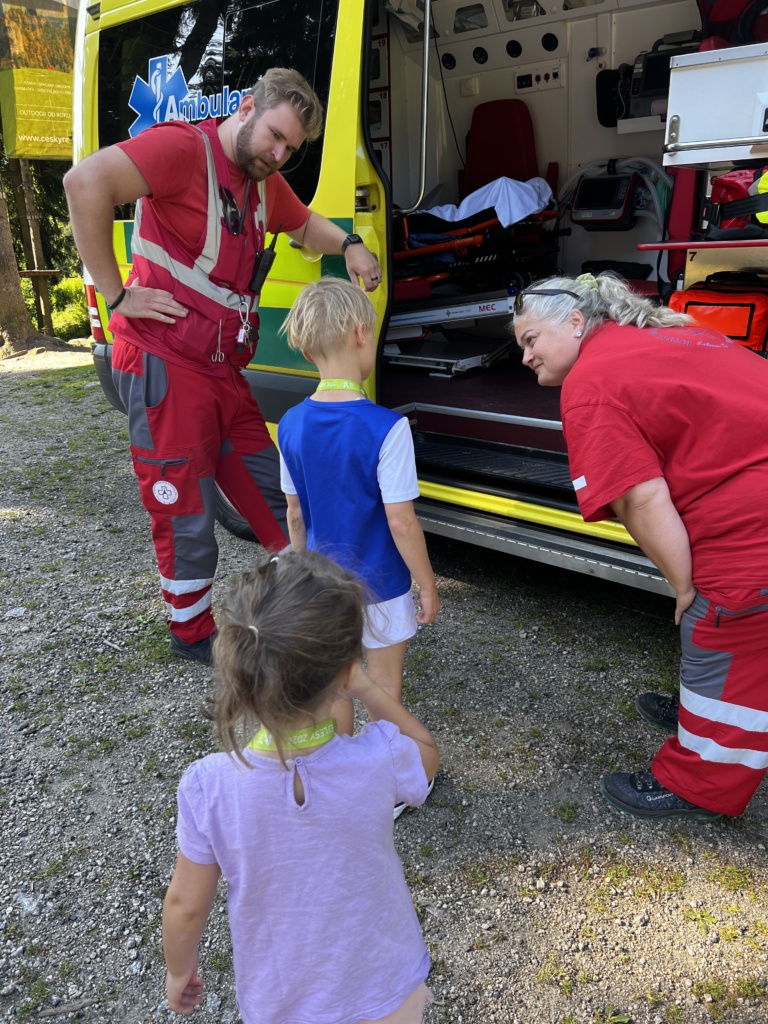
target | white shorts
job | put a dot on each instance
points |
(389, 622)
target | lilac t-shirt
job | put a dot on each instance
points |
(323, 927)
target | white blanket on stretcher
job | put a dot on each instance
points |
(512, 200)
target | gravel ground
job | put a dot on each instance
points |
(539, 903)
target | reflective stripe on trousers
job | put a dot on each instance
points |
(189, 431)
(720, 753)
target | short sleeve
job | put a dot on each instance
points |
(286, 483)
(193, 843)
(396, 470)
(284, 208)
(411, 782)
(608, 455)
(149, 151)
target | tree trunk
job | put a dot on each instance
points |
(16, 331)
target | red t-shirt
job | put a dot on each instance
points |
(173, 160)
(687, 404)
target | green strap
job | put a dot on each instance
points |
(339, 384)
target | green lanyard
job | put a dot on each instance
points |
(339, 384)
(297, 739)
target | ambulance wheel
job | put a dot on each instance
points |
(230, 518)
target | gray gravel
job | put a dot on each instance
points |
(539, 903)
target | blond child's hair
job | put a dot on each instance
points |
(324, 315)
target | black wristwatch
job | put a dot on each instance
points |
(350, 240)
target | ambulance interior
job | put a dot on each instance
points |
(448, 359)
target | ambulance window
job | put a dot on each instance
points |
(281, 33)
(195, 60)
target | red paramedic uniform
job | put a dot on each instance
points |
(690, 405)
(193, 422)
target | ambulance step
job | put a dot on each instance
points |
(496, 466)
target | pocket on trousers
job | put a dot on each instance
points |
(169, 486)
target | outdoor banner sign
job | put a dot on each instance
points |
(36, 60)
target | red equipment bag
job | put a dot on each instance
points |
(739, 198)
(736, 304)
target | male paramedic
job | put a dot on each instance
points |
(186, 322)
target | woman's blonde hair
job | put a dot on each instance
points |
(287, 630)
(284, 85)
(601, 298)
(324, 314)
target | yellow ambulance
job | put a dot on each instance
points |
(431, 103)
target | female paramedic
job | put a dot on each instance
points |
(665, 427)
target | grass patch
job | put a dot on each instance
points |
(701, 918)
(566, 811)
(221, 962)
(731, 877)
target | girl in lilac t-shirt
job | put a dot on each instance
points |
(299, 819)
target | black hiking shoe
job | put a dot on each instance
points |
(659, 709)
(199, 650)
(643, 796)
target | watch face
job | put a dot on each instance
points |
(350, 240)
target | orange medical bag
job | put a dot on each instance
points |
(736, 304)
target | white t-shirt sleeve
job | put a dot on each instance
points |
(286, 484)
(396, 471)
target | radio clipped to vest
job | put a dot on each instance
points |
(263, 263)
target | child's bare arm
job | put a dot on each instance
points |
(297, 531)
(381, 705)
(409, 539)
(187, 905)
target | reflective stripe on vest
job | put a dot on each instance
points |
(197, 276)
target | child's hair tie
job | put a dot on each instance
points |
(589, 281)
(255, 631)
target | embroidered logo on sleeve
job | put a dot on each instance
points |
(579, 483)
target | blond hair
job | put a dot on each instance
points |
(324, 315)
(284, 85)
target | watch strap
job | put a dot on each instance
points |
(350, 240)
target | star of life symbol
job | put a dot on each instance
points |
(166, 97)
(165, 493)
(160, 99)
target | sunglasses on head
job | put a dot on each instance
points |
(539, 291)
(233, 217)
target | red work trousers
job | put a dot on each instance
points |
(721, 751)
(190, 431)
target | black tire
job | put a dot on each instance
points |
(230, 518)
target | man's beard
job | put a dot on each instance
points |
(257, 168)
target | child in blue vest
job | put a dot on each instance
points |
(297, 818)
(349, 475)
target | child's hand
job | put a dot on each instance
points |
(429, 599)
(184, 994)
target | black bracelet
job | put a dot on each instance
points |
(112, 306)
